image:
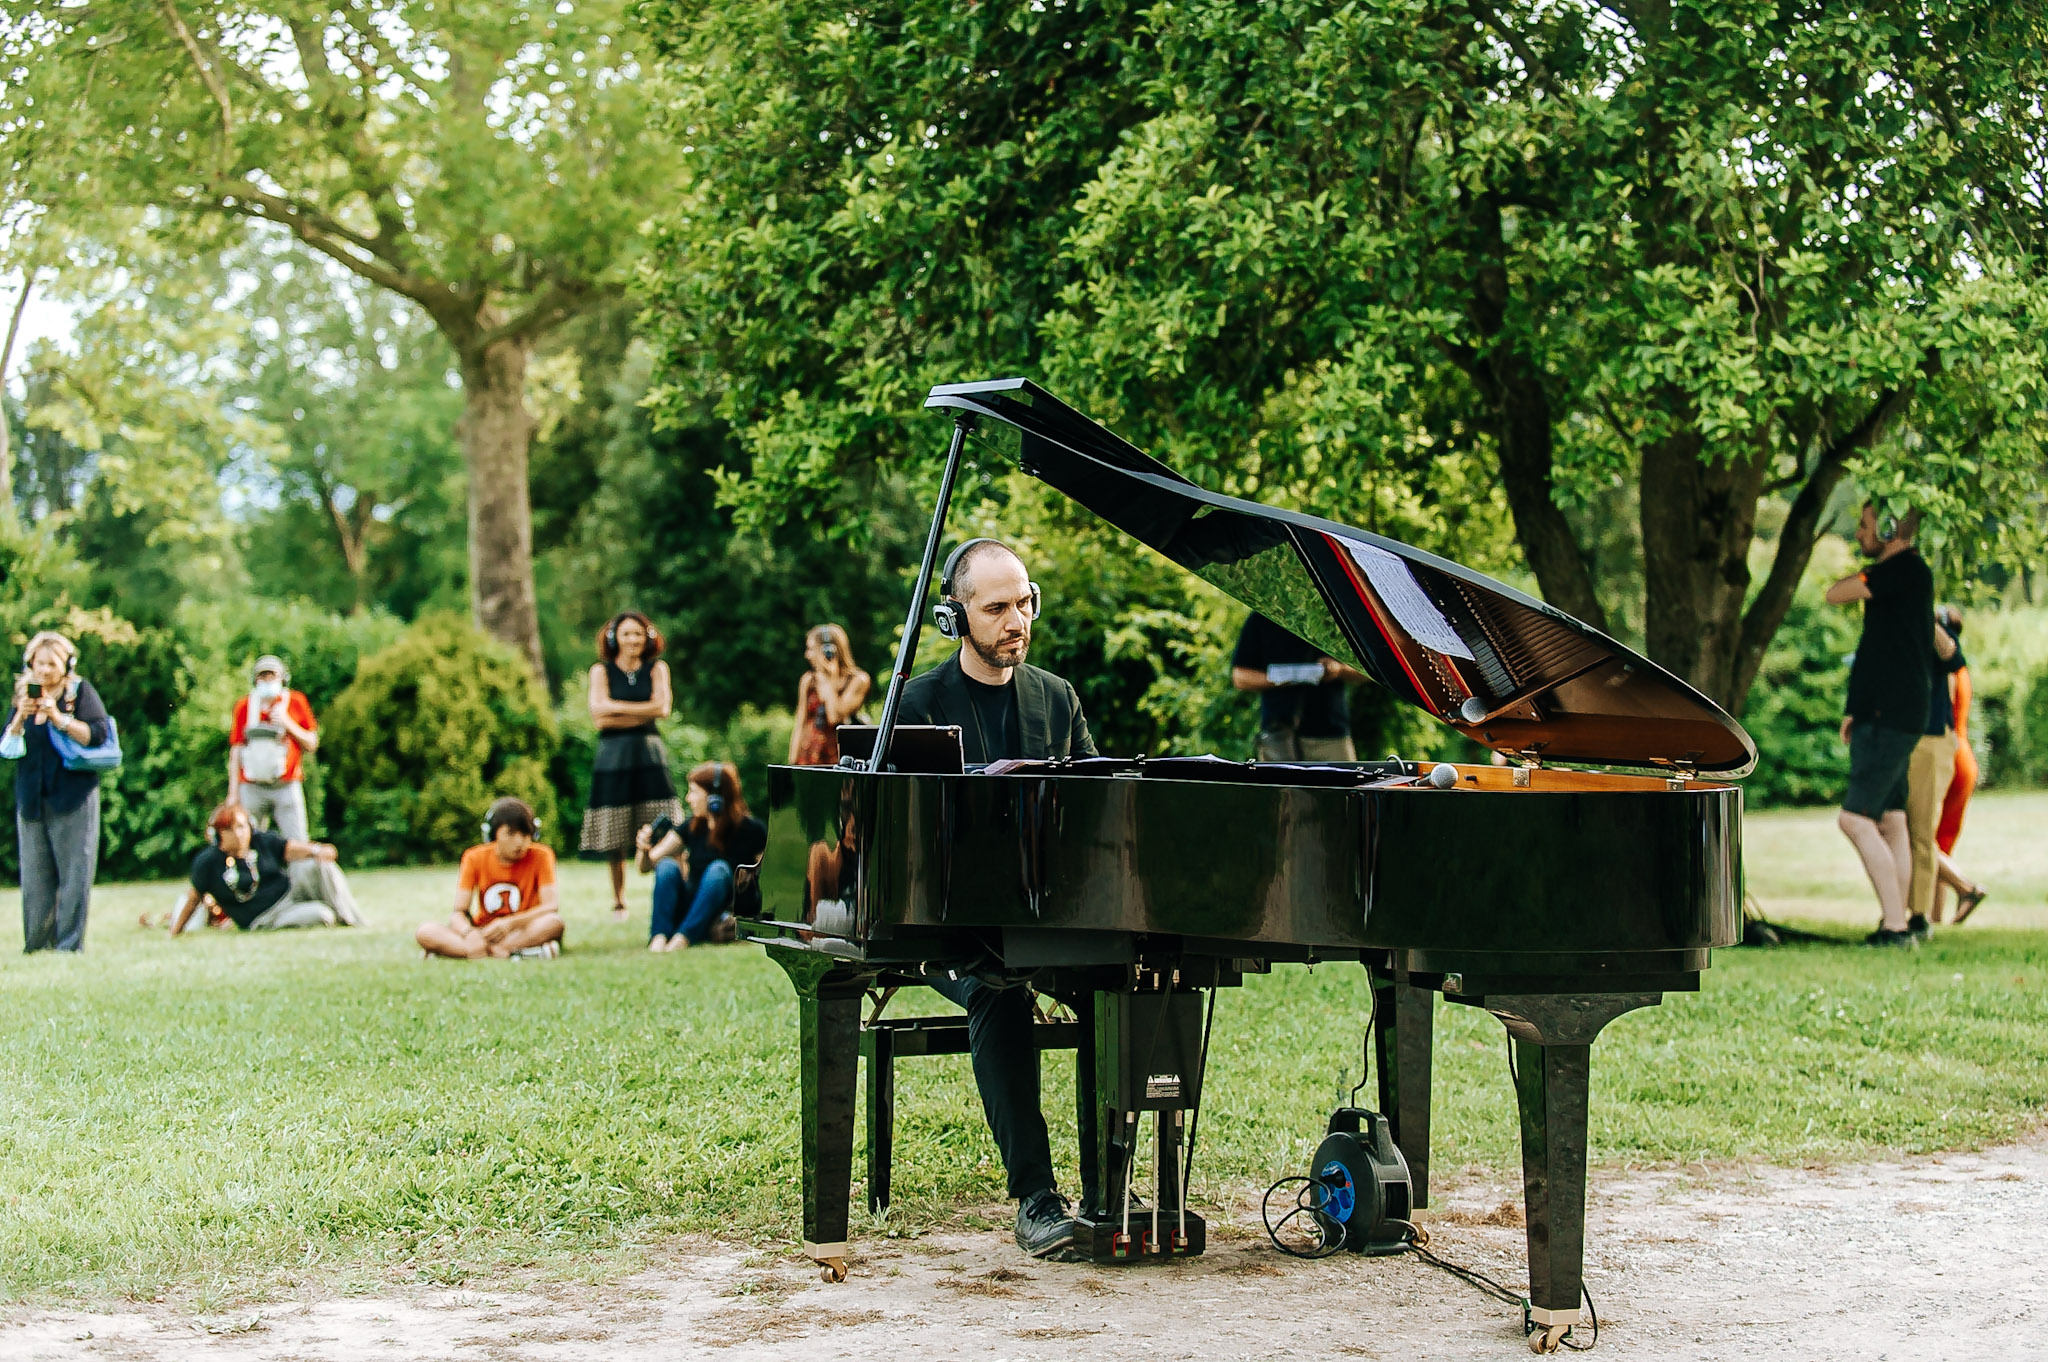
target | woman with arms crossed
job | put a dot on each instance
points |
(630, 785)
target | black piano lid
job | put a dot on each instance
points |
(1513, 673)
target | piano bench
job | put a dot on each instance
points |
(884, 1041)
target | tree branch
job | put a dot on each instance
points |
(1802, 530)
(207, 74)
(331, 239)
(557, 304)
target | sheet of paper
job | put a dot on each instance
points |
(1405, 598)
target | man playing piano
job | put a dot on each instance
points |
(1004, 709)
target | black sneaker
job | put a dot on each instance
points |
(1883, 937)
(1043, 1225)
(1917, 926)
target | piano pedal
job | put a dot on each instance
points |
(1179, 1242)
(1119, 1245)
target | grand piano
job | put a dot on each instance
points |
(1556, 897)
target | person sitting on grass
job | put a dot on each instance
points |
(694, 885)
(265, 881)
(505, 900)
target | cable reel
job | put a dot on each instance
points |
(1367, 1197)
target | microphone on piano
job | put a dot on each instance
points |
(1443, 776)
(1473, 711)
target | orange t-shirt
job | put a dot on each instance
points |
(507, 889)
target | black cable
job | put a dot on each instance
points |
(1592, 1342)
(1365, 1050)
(1325, 1244)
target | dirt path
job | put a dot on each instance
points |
(1942, 1258)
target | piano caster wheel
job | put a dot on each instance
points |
(1548, 1340)
(832, 1269)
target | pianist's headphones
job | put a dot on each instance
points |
(949, 614)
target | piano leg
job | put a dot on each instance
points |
(1403, 1034)
(878, 1048)
(1553, 1041)
(828, 1006)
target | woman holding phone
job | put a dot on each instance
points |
(56, 809)
(830, 694)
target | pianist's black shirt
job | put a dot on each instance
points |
(995, 718)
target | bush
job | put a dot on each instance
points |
(433, 728)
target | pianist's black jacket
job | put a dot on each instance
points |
(1048, 711)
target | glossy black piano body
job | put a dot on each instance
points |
(1555, 898)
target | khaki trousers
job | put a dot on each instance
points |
(1927, 779)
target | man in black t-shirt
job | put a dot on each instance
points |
(1304, 709)
(1005, 709)
(264, 881)
(1887, 708)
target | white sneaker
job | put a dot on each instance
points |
(547, 950)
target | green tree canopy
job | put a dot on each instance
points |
(1728, 254)
(484, 161)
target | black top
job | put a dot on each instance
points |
(743, 846)
(635, 687)
(42, 787)
(1941, 706)
(259, 879)
(1050, 724)
(1895, 658)
(995, 718)
(1322, 710)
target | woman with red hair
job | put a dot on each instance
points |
(630, 785)
(693, 866)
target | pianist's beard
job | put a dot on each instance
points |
(1007, 651)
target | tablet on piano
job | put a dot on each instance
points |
(921, 749)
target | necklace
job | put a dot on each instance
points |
(231, 876)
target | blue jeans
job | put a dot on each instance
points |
(707, 898)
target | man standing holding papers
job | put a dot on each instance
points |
(1304, 710)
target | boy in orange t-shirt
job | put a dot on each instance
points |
(505, 902)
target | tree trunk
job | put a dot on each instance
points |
(1698, 519)
(28, 283)
(496, 431)
(1519, 416)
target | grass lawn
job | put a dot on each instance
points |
(221, 1116)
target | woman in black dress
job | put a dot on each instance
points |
(630, 785)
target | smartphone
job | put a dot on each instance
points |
(35, 690)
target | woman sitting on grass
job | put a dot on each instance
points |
(505, 902)
(265, 881)
(693, 865)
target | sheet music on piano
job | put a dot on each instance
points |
(1395, 582)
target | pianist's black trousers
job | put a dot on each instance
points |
(1005, 1052)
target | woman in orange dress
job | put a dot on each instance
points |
(1968, 895)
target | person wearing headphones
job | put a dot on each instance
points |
(56, 799)
(506, 903)
(1005, 708)
(693, 865)
(263, 880)
(830, 694)
(269, 735)
(630, 785)
(1890, 684)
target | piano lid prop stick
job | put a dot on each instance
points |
(906, 651)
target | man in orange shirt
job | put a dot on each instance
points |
(269, 736)
(506, 901)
